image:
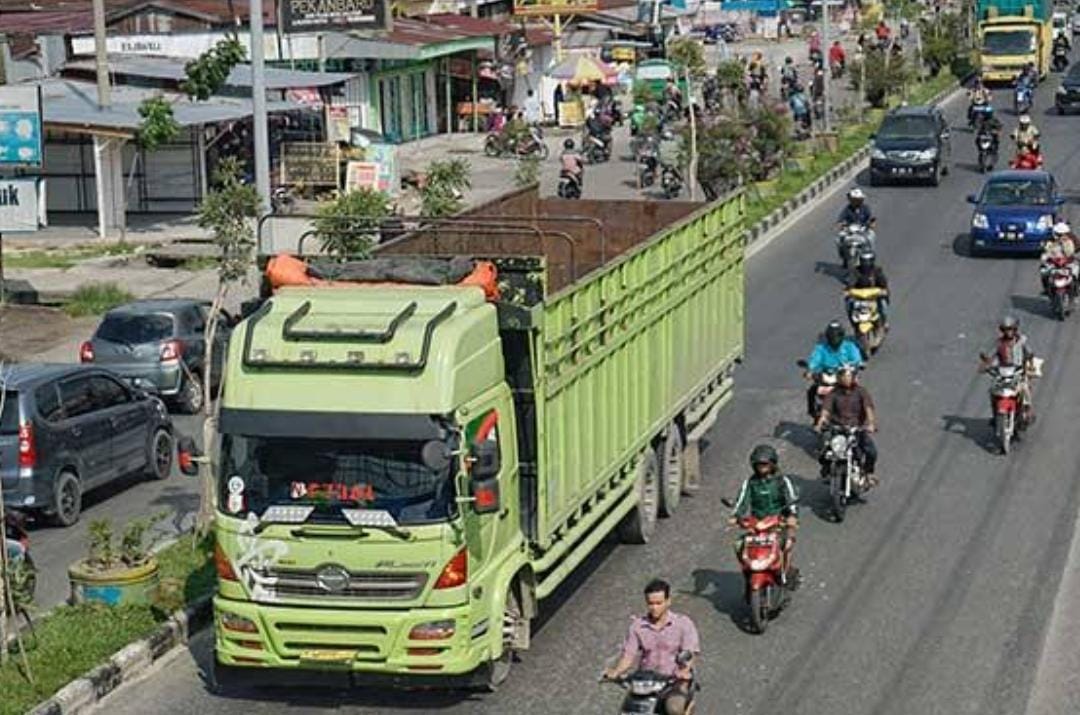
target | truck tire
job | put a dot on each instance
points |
(637, 526)
(671, 471)
(499, 669)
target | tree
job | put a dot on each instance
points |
(688, 55)
(229, 213)
(770, 140)
(884, 75)
(348, 226)
(444, 184)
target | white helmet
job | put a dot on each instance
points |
(856, 193)
(1025, 119)
(1062, 229)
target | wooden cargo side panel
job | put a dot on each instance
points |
(622, 353)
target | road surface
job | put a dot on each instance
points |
(931, 598)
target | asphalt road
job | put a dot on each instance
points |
(932, 598)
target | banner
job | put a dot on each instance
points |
(20, 205)
(20, 125)
(362, 175)
(316, 15)
(554, 7)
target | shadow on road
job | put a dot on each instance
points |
(814, 495)
(724, 590)
(1039, 307)
(977, 429)
(798, 435)
(961, 245)
(833, 270)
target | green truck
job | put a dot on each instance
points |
(403, 472)
(1013, 33)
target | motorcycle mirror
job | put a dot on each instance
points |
(972, 199)
(727, 502)
(802, 363)
(683, 658)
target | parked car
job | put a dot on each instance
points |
(911, 143)
(1015, 212)
(1067, 95)
(160, 345)
(66, 429)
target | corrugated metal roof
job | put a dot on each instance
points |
(74, 103)
(64, 22)
(164, 68)
(434, 29)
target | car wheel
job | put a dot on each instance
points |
(973, 250)
(190, 399)
(875, 180)
(67, 499)
(160, 456)
(935, 178)
(1061, 110)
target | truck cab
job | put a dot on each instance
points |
(1012, 35)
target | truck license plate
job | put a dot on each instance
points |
(328, 656)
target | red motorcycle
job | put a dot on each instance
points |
(1060, 285)
(1028, 161)
(761, 554)
(1007, 398)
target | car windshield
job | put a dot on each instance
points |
(1012, 42)
(9, 417)
(331, 474)
(907, 128)
(134, 329)
(1019, 192)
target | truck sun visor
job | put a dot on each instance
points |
(330, 425)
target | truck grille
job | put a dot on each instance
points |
(277, 583)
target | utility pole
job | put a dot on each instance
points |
(258, 100)
(101, 55)
(825, 65)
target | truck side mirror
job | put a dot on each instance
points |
(483, 482)
(187, 456)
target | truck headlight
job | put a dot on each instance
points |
(980, 221)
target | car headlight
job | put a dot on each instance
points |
(1045, 223)
(927, 154)
(1061, 89)
(876, 153)
(980, 221)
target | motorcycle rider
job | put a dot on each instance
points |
(869, 275)
(978, 96)
(1012, 349)
(1026, 134)
(830, 353)
(1061, 245)
(1062, 42)
(992, 126)
(789, 76)
(837, 58)
(768, 492)
(856, 211)
(850, 405)
(653, 643)
(573, 165)
(800, 106)
(1029, 77)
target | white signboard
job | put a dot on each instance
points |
(20, 125)
(22, 206)
(189, 45)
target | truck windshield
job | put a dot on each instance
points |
(331, 474)
(1011, 42)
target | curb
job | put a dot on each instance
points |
(823, 183)
(127, 663)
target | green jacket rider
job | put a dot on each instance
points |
(766, 493)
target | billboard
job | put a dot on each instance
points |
(322, 15)
(21, 206)
(554, 7)
(20, 125)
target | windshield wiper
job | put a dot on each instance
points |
(376, 519)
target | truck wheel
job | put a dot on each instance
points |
(638, 526)
(671, 471)
(512, 613)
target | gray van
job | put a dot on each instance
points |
(66, 429)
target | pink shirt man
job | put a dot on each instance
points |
(657, 644)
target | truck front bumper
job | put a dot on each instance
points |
(350, 647)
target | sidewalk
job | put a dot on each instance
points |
(66, 230)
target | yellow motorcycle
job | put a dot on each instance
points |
(866, 319)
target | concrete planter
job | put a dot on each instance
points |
(114, 587)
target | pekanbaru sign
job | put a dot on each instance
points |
(319, 15)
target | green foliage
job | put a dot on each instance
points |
(348, 225)
(688, 55)
(770, 140)
(158, 125)
(527, 172)
(643, 93)
(96, 298)
(228, 212)
(134, 549)
(943, 41)
(883, 78)
(206, 74)
(65, 257)
(102, 554)
(723, 154)
(443, 189)
(187, 573)
(730, 74)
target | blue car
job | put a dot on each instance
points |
(1015, 212)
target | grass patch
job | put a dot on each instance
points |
(96, 298)
(200, 263)
(65, 257)
(73, 639)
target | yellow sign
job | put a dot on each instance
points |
(328, 656)
(554, 7)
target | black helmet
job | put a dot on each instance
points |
(834, 333)
(568, 144)
(866, 259)
(1009, 322)
(764, 454)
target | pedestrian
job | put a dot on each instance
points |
(533, 110)
(558, 99)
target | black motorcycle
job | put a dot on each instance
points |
(569, 185)
(648, 161)
(986, 143)
(1061, 58)
(671, 181)
(596, 148)
(645, 689)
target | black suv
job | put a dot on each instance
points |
(911, 143)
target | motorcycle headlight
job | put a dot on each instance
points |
(646, 687)
(876, 153)
(1045, 223)
(838, 444)
(927, 154)
(980, 221)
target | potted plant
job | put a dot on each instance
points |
(113, 574)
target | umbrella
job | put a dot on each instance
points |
(582, 68)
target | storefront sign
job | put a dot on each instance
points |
(554, 7)
(21, 206)
(310, 163)
(20, 125)
(362, 175)
(316, 15)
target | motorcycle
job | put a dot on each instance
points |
(825, 383)
(978, 114)
(865, 317)
(499, 144)
(1061, 284)
(23, 572)
(282, 200)
(836, 69)
(1027, 161)
(1061, 58)
(596, 149)
(987, 145)
(1009, 417)
(648, 161)
(569, 186)
(844, 469)
(1022, 99)
(768, 586)
(645, 689)
(671, 181)
(851, 241)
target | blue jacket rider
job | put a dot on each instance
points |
(829, 355)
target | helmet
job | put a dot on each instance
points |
(1009, 322)
(1062, 229)
(1024, 119)
(834, 333)
(866, 259)
(764, 454)
(856, 194)
(788, 60)
(568, 144)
